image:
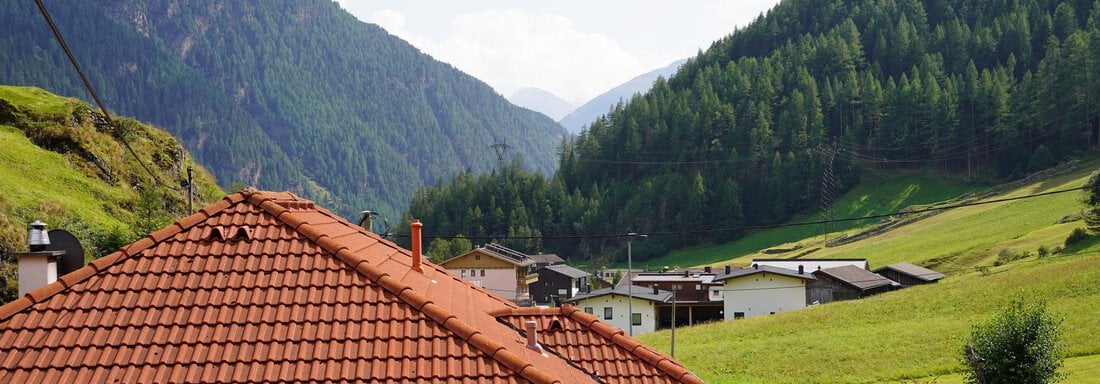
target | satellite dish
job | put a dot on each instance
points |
(73, 259)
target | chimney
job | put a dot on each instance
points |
(728, 269)
(417, 255)
(655, 289)
(706, 269)
(39, 266)
(800, 269)
(532, 336)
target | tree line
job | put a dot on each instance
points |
(772, 120)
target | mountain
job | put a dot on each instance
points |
(542, 101)
(61, 163)
(296, 96)
(587, 113)
(783, 116)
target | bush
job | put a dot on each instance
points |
(1076, 236)
(1020, 345)
(1043, 251)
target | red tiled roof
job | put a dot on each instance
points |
(264, 287)
(598, 347)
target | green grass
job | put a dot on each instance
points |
(869, 198)
(40, 179)
(58, 166)
(917, 333)
(912, 333)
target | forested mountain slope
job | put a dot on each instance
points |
(282, 95)
(780, 117)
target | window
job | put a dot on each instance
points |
(608, 313)
(477, 257)
(588, 310)
(463, 273)
(698, 287)
(677, 287)
(636, 319)
(482, 273)
(715, 293)
(738, 315)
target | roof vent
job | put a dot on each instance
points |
(800, 270)
(532, 336)
(728, 269)
(415, 227)
(242, 233)
(217, 233)
(555, 325)
(655, 289)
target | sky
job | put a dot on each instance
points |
(576, 49)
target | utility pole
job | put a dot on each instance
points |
(501, 150)
(630, 283)
(190, 192)
(673, 349)
(829, 193)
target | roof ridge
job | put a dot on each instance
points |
(402, 291)
(62, 283)
(646, 353)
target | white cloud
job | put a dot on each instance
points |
(392, 21)
(513, 49)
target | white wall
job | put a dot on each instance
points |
(499, 281)
(620, 319)
(762, 294)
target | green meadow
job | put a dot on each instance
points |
(990, 253)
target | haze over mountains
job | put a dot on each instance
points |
(542, 101)
(587, 113)
(296, 96)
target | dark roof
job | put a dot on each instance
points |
(268, 287)
(546, 258)
(644, 293)
(499, 252)
(856, 277)
(914, 271)
(567, 271)
(762, 269)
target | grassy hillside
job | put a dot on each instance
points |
(919, 332)
(876, 196)
(60, 163)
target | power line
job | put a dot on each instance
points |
(88, 85)
(761, 226)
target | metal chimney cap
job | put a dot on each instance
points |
(37, 235)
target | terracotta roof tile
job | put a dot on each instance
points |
(289, 291)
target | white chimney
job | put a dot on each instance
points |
(39, 266)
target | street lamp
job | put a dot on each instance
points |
(630, 283)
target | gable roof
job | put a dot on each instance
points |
(567, 271)
(856, 277)
(498, 252)
(810, 265)
(546, 258)
(639, 292)
(263, 287)
(736, 273)
(914, 271)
